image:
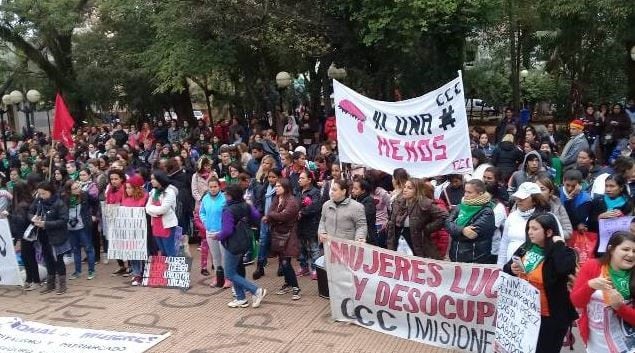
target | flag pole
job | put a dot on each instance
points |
(51, 158)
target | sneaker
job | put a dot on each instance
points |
(238, 303)
(314, 275)
(136, 281)
(104, 261)
(303, 271)
(284, 289)
(205, 272)
(127, 272)
(120, 271)
(75, 275)
(296, 293)
(258, 297)
(91, 275)
(29, 287)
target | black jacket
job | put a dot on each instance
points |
(183, 182)
(507, 157)
(310, 212)
(19, 219)
(371, 216)
(560, 261)
(479, 249)
(55, 215)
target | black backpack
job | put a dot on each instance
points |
(240, 240)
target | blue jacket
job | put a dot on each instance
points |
(211, 211)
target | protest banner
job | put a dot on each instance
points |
(17, 335)
(608, 226)
(517, 315)
(445, 304)
(167, 272)
(107, 214)
(615, 335)
(127, 234)
(9, 268)
(427, 136)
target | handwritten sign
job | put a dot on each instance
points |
(428, 135)
(445, 304)
(517, 316)
(608, 226)
(9, 268)
(108, 212)
(17, 335)
(167, 272)
(127, 234)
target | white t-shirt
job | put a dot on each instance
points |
(608, 333)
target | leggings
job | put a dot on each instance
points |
(30, 263)
(214, 251)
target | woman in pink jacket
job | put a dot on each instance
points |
(200, 181)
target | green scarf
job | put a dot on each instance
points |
(622, 281)
(469, 208)
(73, 201)
(156, 194)
(74, 176)
(466, 212)
(535, 255)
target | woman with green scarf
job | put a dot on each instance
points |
(471, 225)
(614, 203)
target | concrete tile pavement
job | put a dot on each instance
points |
(200, 320)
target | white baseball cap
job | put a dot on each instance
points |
(526, 189)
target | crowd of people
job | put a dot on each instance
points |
(533, 190)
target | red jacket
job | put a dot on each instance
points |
(581, 295)
(330, 128)
(441, 237)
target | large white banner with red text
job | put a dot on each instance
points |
(445, 304)
(428, 136)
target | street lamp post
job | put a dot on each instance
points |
(334, 73)
(6, 101)
(28, 108)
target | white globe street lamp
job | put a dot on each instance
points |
(16, 97)
(283, 79)
(33, 96)
(334, 73)
(524, 74)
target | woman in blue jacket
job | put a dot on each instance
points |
(210, 212)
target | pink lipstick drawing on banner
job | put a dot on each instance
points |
(351, 109)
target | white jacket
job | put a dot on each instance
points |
(513, 237)
(167, 207)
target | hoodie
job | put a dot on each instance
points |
(521, 175)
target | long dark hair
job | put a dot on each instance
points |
(548, 222)
(616, 239)
(286, 186)
(22, 194)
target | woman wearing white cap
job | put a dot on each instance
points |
(529, 199)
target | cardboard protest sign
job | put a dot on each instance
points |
(427, 136)
(17, 335)
(108, 212)
(127, 234)
(608, 226)
(9, 268)
(517, 315)
(167, 272)
(450, 305)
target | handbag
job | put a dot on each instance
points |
(30, 233)
(279, 241)
(584, 244)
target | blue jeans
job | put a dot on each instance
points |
(167, 245)
(309, 250)
(137, 268)
(82, 238)
(263, 244)
(241, 284)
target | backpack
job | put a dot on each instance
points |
(240, 240)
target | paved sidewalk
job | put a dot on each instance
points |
(200, 320)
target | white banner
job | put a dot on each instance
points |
(127, 234)
(445, 304)
(517, 315)
(9, 269)
(17, 335)
(427, 136)
(108, 211)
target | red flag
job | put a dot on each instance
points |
(63, 123)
